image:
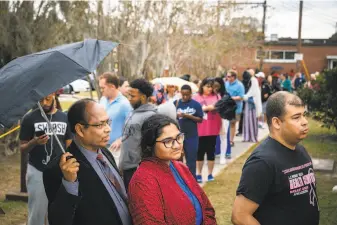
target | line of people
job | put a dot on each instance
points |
(122, 162)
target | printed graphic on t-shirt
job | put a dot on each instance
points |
(301, 182)
(59, 128)
(188, 110)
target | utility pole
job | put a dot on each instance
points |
(264, 4)
(218, 14)
(263, 31)
(299, 39)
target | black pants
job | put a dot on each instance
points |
(127, 175)
(206, 146)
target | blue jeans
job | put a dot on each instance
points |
(191, 151)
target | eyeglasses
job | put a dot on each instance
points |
(99, 125)
(169, 142)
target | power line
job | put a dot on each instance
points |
(292, 7)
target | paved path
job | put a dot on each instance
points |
(239, 149)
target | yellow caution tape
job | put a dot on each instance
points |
(9, 132)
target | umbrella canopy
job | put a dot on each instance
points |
(26, 80)
(176, 81)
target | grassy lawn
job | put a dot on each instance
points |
(66, 104)
(321, 143)
(221, 192)
(87, 94)
(16, 212)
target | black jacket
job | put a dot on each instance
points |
(93, 206)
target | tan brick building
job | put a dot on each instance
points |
(318, 54)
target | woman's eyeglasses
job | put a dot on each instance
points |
(169, 142)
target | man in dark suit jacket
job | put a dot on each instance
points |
(83, 186)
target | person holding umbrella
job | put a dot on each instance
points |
(36, 139)
(83, 185)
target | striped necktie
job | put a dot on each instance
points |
(111, 177)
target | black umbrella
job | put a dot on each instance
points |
(25, 80)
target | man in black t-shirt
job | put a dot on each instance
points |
(37, 140)
(278, 185)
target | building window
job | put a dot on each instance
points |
(276, 56)
(289, 55)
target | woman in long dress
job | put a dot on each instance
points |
(253, 110)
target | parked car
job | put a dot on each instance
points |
(76, 86)
(92, 81)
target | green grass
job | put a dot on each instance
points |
(222, 191)
(321, 143)
(16, 212)
(87, 94)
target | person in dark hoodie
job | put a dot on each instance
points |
(139, 92)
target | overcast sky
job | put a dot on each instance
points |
(319, 17)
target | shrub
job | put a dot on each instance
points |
(321, 98)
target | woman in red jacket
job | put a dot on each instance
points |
(162, 190)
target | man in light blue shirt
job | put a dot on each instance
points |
(236, 89)
(117, 106)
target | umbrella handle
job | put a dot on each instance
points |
(49, 125)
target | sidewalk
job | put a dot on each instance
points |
(239, 149)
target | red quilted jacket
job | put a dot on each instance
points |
(156, 198)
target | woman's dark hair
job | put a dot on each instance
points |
(152, 128)
(122, 80)
(205, 81)
(246, 80)
(77, 113)
(222, 90)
